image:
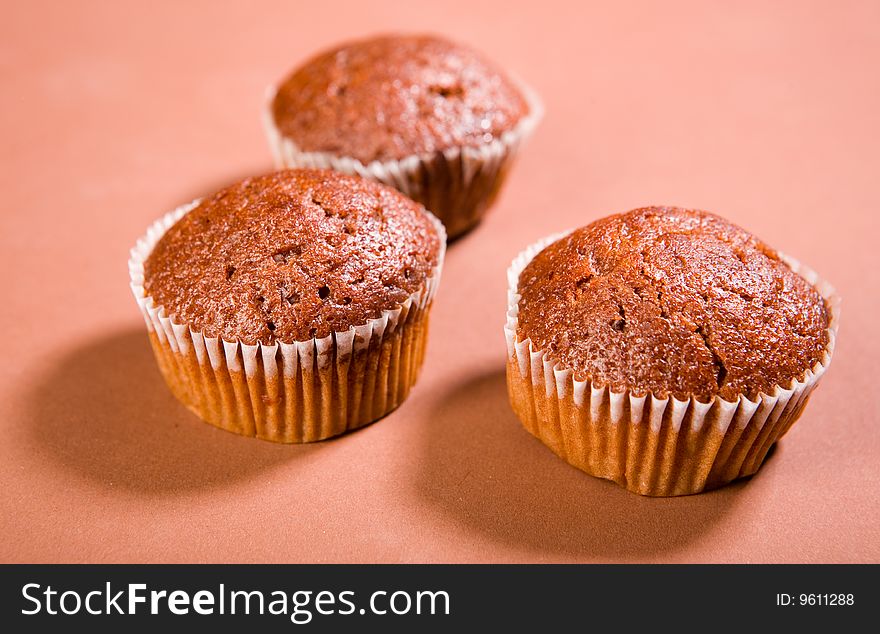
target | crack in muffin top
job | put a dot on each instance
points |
(290, 256)
(394, 96)
(672, 302)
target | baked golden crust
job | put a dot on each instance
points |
(290, 256)
(673, 302)
(395, 96)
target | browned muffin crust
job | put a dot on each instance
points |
(672, 301)
(395, 96)
(290, 256)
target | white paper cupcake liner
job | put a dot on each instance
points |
(457, 184)
(652, 446)
(298, 391)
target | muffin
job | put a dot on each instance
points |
(432, 118)
(291, 306)
(664, 349)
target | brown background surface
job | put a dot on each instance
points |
(111, 115)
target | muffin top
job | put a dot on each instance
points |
(290, 256)
(673, 302)
(394, 96)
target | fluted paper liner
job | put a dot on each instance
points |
(291, 392)
(457, 184)
(652, 446)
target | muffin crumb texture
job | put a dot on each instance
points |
(672, 302)
(391, 97)
(290, 256)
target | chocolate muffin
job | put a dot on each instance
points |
(427, 116)
(665, 349)
(291, 306)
